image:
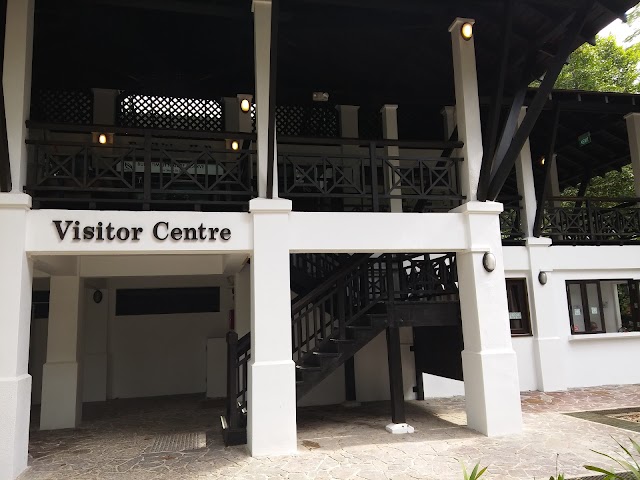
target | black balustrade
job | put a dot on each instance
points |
(511, 228)
(593, 221)
(140, 169)
(353, 175)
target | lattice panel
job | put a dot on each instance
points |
(62, 106)
(307, 121)
(151, 111)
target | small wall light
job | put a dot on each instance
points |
(542, 278)
(542, 160)
(235, 145)
(245, 105)
(489, 261)
(466, 30)
(102, 139)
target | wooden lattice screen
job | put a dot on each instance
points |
(62, 106)
(152, 111)
(320, 120)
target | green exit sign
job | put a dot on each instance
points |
(584, 139)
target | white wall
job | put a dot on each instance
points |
(523, 347)
(96, 319)
(163, 354)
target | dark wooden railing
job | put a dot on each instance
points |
(318, 265)
(511, 219)
(238, 356)
(361, 176)
(594, 221)
(142, 169)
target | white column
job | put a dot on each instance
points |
(262, 45)
(242, 300)
(633, 130)
(348, 120)
(467, 108)
(271, 428)
(15, 316)
(449, 120)
(18, 50)
(390, 132)
(526, 185)
(104, 106)
(245, 123)
(550, 324)
(61, 375)
(490, 367)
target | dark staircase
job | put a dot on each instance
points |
(344, 302)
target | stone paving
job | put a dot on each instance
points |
(116, 439)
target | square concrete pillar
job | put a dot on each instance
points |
(492, 389)
(262, 47)
(390, 132)
(633, 130)
(15, 318)
(271, 426)
(467, 108)
(526, 185)
(61, 375)
(549, 323)
(16, 81)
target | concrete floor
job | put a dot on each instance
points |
(116, 441)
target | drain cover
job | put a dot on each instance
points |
(179, 442)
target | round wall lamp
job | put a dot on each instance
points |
(542, 278)
(245, 106)
(97, 296)
(235, 145)
(489, 261)
(466, 30)
(102, 139)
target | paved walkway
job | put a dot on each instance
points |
(116, 442)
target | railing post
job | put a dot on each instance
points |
(232, 380)
(147, 173)
(342, 321)
(374, 177)
(591, 220)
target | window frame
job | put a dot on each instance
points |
(584, 298)
(523, 293)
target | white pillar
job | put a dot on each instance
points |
(18, 50)
(490, 367)
(467, 108)
(61, 385)
(449, 120)
(633, 131)
(245, 124)
(242, 300)
(15, 316)
(348, 120)
(262, 45)
(526, 185)
(271, 428)
(390, 132)
(104, 106)
(549, 323)
(553, 176)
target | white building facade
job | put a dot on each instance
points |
(544, 314)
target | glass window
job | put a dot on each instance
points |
(518, 307)
(585, 306)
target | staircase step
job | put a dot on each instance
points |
(307, 368)
(341, 340)
(326, 354)
(359, 327)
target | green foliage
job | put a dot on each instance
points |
(605, 67)
(627, 462)
(475, 474)
(613, 184)
(559, 477)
